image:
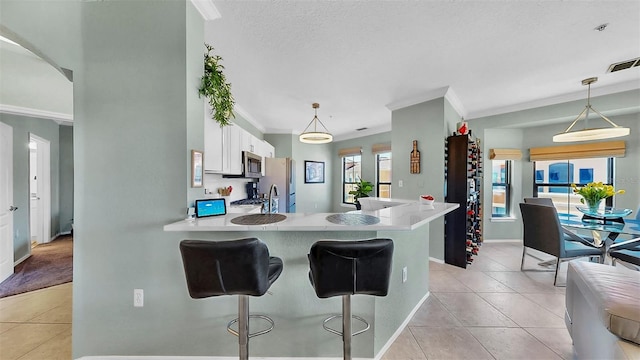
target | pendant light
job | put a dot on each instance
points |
(587, 134)
(314, 136)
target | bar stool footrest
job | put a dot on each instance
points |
(257, 333)
(339, 333)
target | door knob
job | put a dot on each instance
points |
(13, 208)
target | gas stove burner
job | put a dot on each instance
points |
(247, 202)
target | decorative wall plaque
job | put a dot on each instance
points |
(415, 159)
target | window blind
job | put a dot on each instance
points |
(350, 151)
(579, 151)
(505, 154)
(380, 148)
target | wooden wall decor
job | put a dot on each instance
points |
(415, 159)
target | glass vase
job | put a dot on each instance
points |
(593, 205)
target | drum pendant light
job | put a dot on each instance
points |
(311, 135)
(587, 133)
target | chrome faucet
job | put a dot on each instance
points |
(273, 190)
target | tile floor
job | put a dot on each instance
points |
(36, 325)
(489, 311)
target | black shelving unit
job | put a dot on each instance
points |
(463, 174)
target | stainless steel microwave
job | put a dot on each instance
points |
(251, 165)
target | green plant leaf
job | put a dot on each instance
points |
(216, 89)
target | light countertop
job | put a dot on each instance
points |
(243, 209)
(408, 215)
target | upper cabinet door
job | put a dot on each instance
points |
(266, 151)
(213, 143)
(234, 149)
(222, 146)
(269, 150)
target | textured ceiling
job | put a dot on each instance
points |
(357, 57)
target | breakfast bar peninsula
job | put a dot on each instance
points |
(292, 302)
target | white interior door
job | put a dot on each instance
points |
(6, 201)
(34, 196)
(44, 188)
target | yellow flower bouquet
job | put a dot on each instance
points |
(594, 192)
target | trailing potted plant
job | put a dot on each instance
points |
(216, 89)
(363, 188)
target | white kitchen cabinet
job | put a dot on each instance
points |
(268, 149)
(222, 147)
(213, 144)
(235, 149)
(250, 143)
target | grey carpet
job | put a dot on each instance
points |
(49, 264)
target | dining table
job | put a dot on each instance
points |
(616, 231)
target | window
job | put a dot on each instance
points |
(501, 186)
(562, 173)
(383, 174)
(351, 175)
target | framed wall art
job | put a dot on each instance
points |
(313, 172)
(197, 161)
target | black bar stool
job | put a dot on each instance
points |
(345, 268)
(237, 267)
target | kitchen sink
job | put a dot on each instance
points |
(258, 219)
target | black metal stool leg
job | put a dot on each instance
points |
(346, 326)
(243, 327)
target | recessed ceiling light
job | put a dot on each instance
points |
(601, 27)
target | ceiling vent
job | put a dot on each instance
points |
(624, 65)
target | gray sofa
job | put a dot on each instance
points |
(603, 311)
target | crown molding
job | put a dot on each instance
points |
(59, 118)
(445, 92)
(242, 112)
(554, 100)
(207, 9)
(430, 95)
(455, 102)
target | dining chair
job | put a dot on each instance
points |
(626, 251)
(568, 234)
(543, 232)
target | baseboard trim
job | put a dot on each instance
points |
(377, 357)
(502, 240)
(19, 261)
(120, 357)
(401, 327)
(439, 261)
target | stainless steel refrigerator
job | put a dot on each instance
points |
(282, 172)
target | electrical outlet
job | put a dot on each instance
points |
(404, 274)
(138, 297)
(400, 183)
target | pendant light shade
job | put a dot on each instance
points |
(311, 134)
(586, 133)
